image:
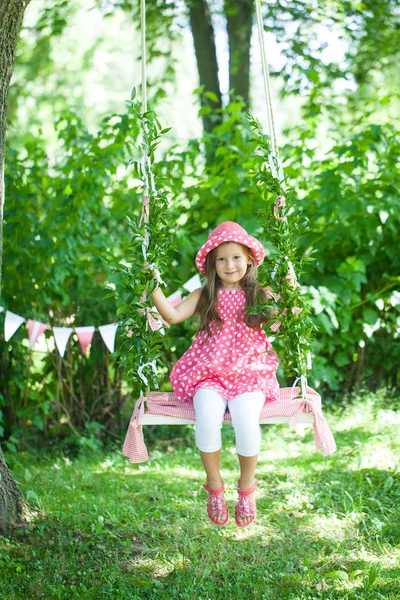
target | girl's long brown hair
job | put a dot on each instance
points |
(207, 304)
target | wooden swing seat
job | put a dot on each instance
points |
(149, 419)
(163, 408)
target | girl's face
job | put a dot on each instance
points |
(231, 262)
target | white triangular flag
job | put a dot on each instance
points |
(108, 333)
(11, 324)
(1, 309)
(193, 284)
(62, 335)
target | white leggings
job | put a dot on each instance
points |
(245, 411)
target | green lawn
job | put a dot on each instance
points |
(326, 528)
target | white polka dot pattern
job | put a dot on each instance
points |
(233, 360)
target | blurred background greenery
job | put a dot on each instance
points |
(69, 185)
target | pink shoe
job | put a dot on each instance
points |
(216, 505)
(246, 507)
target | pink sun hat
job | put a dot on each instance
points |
(229, 232)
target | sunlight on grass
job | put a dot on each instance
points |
(388, 558)
(377, 455)
(389, 417)
(105, 465)
(157, 568)
(187, 473)
(334, 528)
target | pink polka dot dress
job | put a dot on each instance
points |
(233, 360)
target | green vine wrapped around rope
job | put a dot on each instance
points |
(283, 224)
(143, 263)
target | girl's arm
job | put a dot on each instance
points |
(175, 314)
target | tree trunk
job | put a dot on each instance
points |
(239, 18)
(11, 501)
(206, 57)
(11, 15)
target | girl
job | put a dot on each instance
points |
(229, 364)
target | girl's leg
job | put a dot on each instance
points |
(211, 461)
(248, 466)
(210, 409)
(245, 412)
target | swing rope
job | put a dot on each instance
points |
(145, 162)
(144, 56)
(149, 188)
(277, 172)
(266, 78)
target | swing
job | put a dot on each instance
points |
(297, 404)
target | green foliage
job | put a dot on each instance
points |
(225, 174)
(366, 37)
(60, 220)
(350, 199)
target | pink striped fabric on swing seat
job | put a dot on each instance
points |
(166, 403)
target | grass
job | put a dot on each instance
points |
(327, 528)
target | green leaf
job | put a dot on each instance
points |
(389, 481)
(341, 575)
(33, 497)
(28, 475)
(372, 575)
(370, 316)
(212, 96)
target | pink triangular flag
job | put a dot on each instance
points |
(11, 324)
(61, 336)
(85, 335)
(175, 298)
(35, 329)
(108, 333)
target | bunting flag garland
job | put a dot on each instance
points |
(61, 336)
(35, 329)
(108, 333)
(11, 324)
(85, 336)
